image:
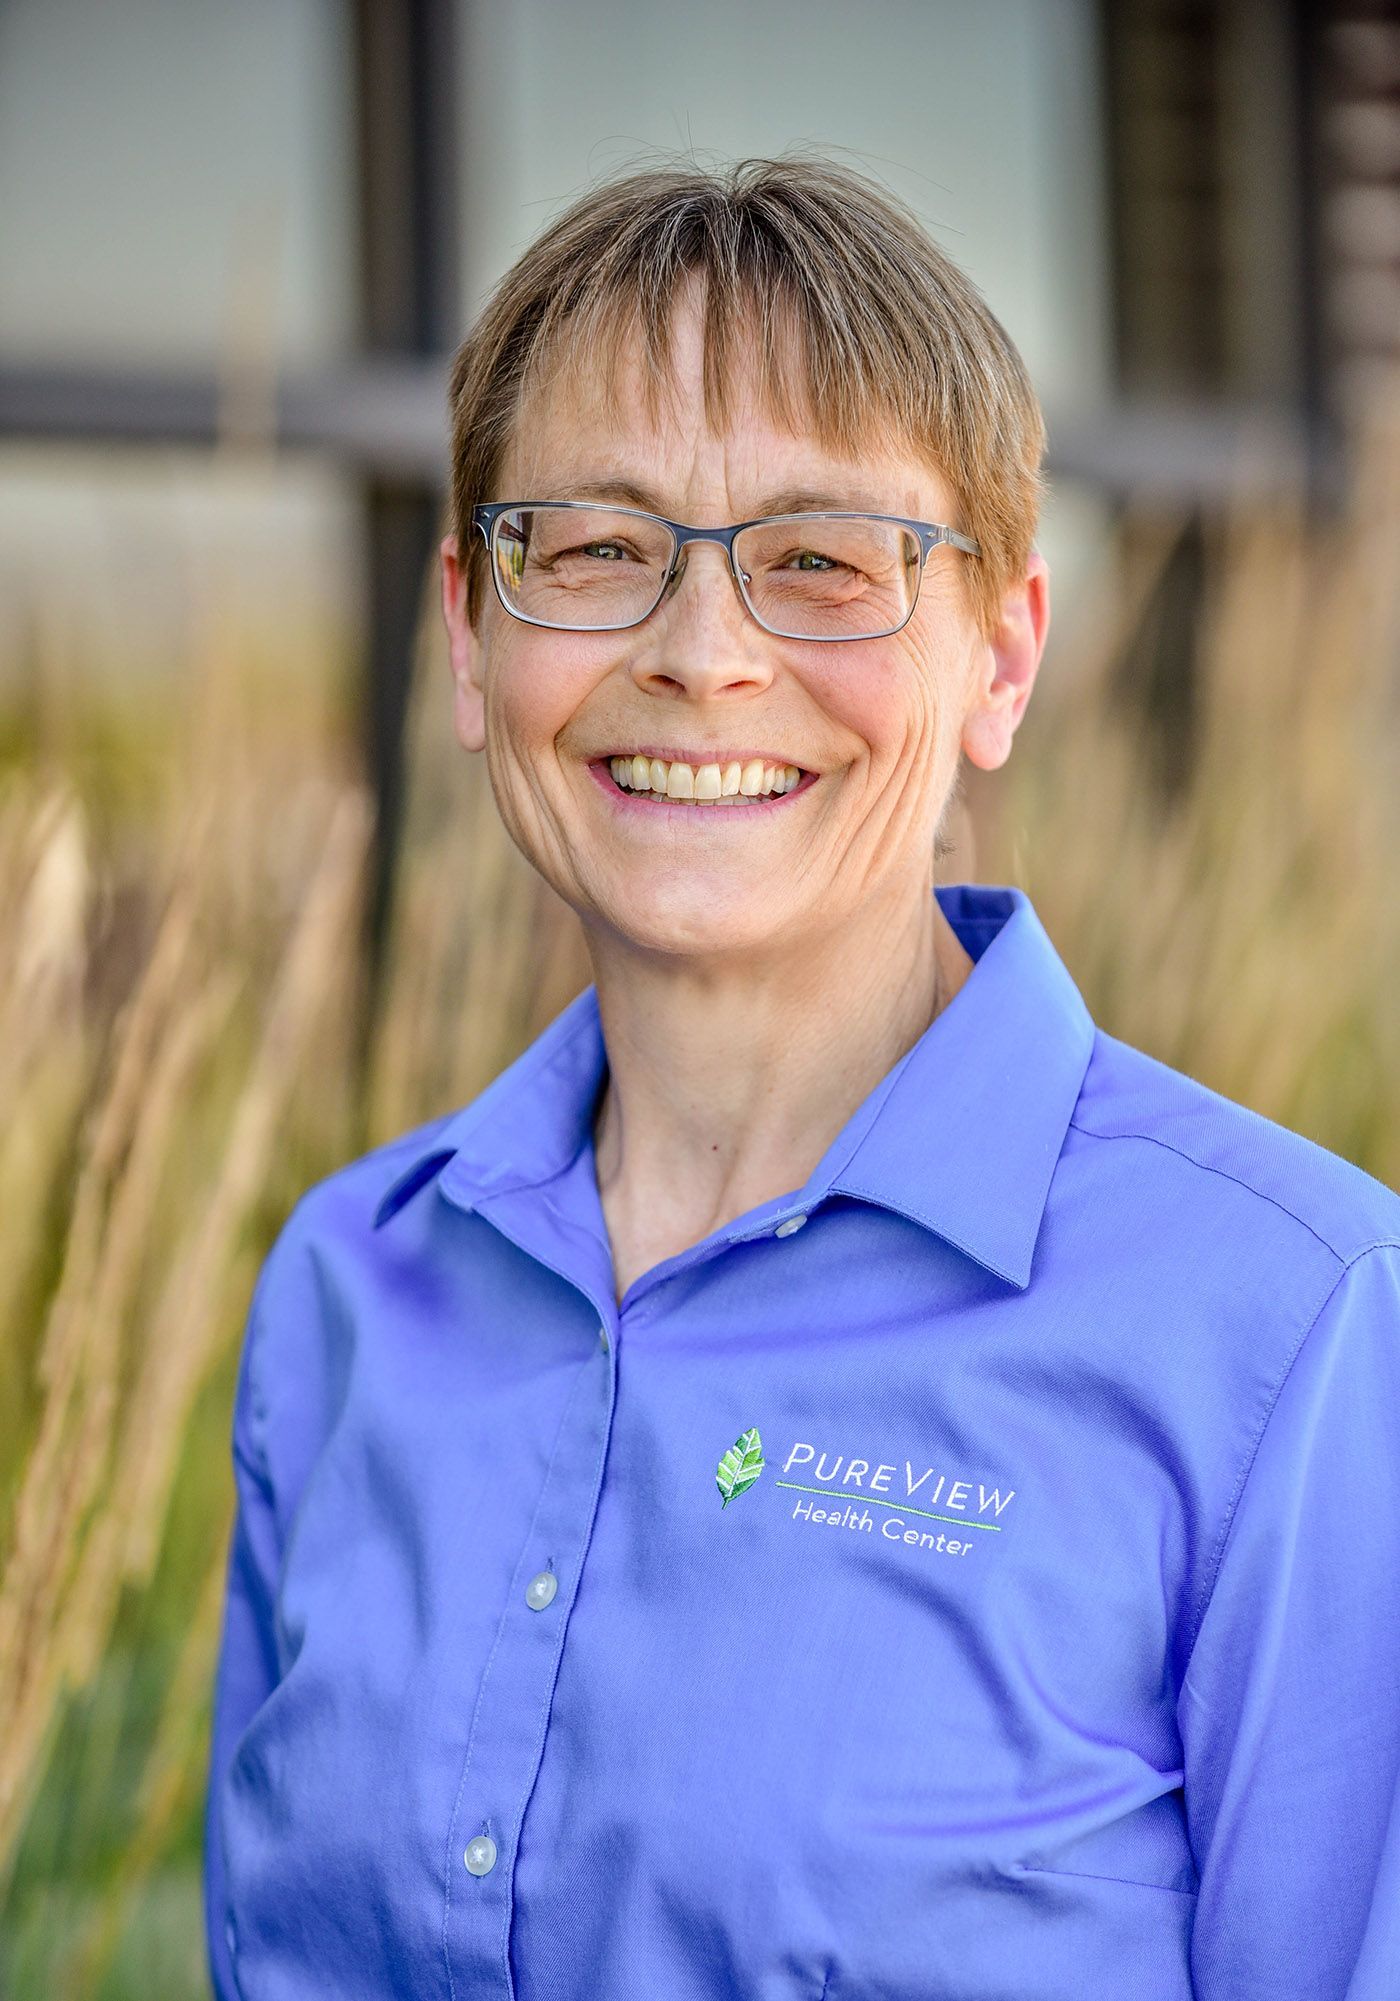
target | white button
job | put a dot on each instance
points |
(603, 1337)
(540, 1590)
(481, 1855)
(786, 1229)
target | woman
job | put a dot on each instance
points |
(833, 1476)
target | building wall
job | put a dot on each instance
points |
(176, 188)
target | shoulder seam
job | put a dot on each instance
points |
(1208, 1167)
(1252, 1455)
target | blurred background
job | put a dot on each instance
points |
(256, 910)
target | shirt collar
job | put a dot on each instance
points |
(962, 1135)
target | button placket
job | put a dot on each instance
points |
(512, 1717)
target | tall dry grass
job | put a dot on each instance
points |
(181, 885)
(1243, 925)
(165, 991)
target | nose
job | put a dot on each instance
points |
(701, 639)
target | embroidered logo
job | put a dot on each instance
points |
(740, 1466)
(859, 1486)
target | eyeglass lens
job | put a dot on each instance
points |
(816, 576)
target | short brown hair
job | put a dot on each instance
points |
(895, 342)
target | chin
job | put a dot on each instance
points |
(697, 926)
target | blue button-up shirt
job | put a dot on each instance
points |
(973, 1576)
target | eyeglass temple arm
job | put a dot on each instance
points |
(959, 541)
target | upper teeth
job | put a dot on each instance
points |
(705, 781)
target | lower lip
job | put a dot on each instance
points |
(637, 805)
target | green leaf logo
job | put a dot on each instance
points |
(740, 1466)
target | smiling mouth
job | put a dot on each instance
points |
(736, 783)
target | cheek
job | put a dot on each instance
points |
(517, 721)
(534, 689)
(889, 701)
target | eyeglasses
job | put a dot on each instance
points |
(579, 567)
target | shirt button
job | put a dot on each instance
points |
(481, 1855)
(786, 1229)
(540, 1590)
(603, 1337)
(231, 1936)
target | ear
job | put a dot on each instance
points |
(1006, 668)
(464, 651)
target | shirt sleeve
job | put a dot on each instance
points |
(246, 1671)
(1290, 1707)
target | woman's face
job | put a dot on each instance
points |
(879, 722)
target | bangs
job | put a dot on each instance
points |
(809, 377)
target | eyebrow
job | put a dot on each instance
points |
(787, 500)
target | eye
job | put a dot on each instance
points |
(587, 552)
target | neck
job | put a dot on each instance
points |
(728, 1082)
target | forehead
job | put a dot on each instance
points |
(599, 416)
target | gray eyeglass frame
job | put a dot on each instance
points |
(931, 534)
